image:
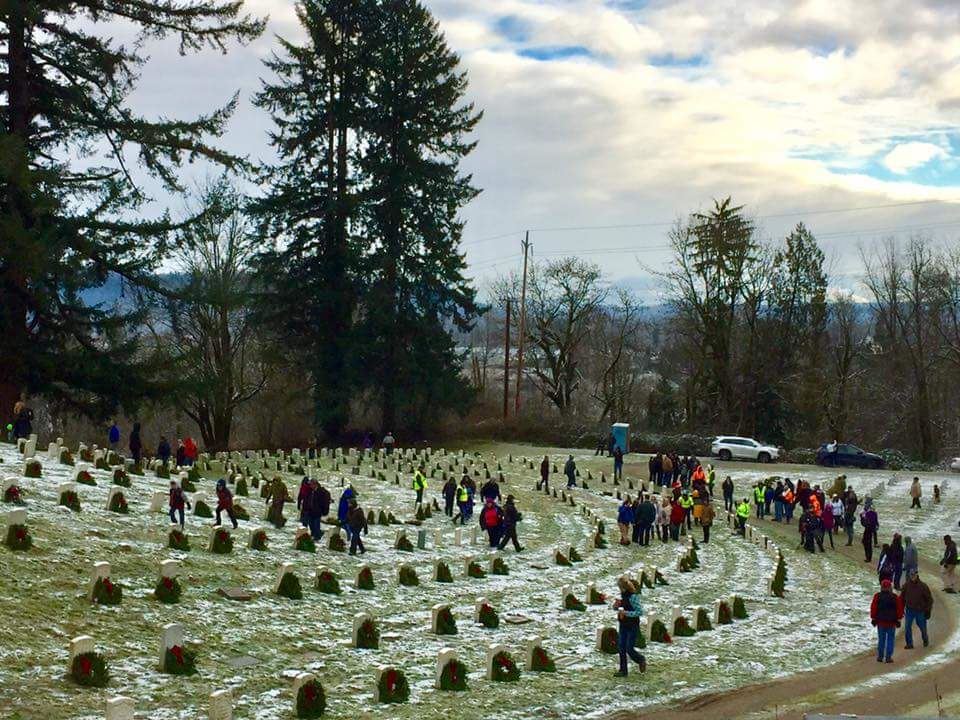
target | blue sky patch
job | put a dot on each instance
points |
(555, 52)
(670, 60)
(513, 28)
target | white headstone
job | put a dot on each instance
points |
(283, 570)
(716, 612)
(675, 614)
(532, 644)
(213, 534)
(171, 636)
(473, 535)
(434, 614)
(358, 620)
(158, 501)
(564, 591)
(299, 681)
(221, 705)
(79, 646)
(8, 483)
(120, 708)
(600, 637)
(17, 517)
(437, 538)
(443, 657)
(30, 448)
(458, 536)
(100, 570)
(650, 620)
(253, 534)
(299, 533)
(53, 451)
(170, 568)
(492, 651)
(114, 490)
(467, 561)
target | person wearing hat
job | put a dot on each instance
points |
(886, 612)
(917, 603)
(509, 525)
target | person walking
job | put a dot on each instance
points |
(357, 522)
(666, 470)
(625, 520)
(827, 523)
(163, 450)
(509, 524)
(629, 610)
(316, 507)
(449, 496)
(113, 436)
(343, 509)
(181, 454)
(758, 500)
(850, 504)
(302, 494)
(490, 490)
(177, 501)
(663, 519)
(136, 445)
(225, 503)
(419, 485)
(870, 523)
(645, 518)
(544, 474)
(895, 558)
(916, 492)
(570, 470)
(686, 504)
(491, 518)
(949, 565)
(653, 469)
(463, 500)
(676, 520)
(910, 558)
(918, 604)
(275, 497)
(190, 450)
(727, 488)
(617, 463)
(707, 516)
(886, 611)
(388, 443)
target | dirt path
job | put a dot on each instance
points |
(816, 689)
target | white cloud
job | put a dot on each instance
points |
(911, 155)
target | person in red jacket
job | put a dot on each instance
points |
(190, 450)
(677, 514)
(225, 502)
(886, 612)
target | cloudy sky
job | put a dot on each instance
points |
(605, 121)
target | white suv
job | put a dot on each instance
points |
(727, 447)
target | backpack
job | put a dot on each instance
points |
(490, 517)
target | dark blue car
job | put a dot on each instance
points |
(849, 456)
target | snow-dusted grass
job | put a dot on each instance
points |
(256, 647)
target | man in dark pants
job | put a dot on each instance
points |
(358, 522)
(509, 525)
(316, 505)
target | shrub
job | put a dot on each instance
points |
(259, 540)
(33, 469)
(574, 556)
(393, 686)
(241, 488)
(561, 559)
(504, 668)
(13, 496)
(778, 586)
(90, 670)
(475, 571)
(408, 576)
(681, 628)
(327, 583)
(724, 615)
(404, 544)
(240, 512)
(168, 590)
(289, 587)
(311, 700)
(596, 598)
(499, 567)
(336, 543)
(570, 602)
(85, 478)
(658, 633)
(179, 661)
(365, 579)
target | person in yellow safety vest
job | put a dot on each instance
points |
(419, 484)
(686, 502)
(743, 512)
(758, 493)
(463, 501)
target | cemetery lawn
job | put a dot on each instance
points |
(256, 647)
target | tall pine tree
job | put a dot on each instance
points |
(316, 102)
(66, 225)
(367, 277)
(416, 137)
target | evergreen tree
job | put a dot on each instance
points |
(316, 102)
(415, 137)
(65, 224)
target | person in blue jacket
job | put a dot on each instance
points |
(343, 509)
(629, 611)
(113, 436)
(625, 520)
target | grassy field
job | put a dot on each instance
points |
(256, 647)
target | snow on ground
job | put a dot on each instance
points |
(255, 647)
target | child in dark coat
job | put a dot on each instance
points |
(225, 502)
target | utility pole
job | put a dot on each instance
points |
(523, 323)
(506, 362)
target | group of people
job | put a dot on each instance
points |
(186, 454)
(665, 469)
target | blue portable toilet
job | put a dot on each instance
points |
(621, 436)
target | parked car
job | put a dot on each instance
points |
(849, 455)
(955, 464)
(727, 447)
